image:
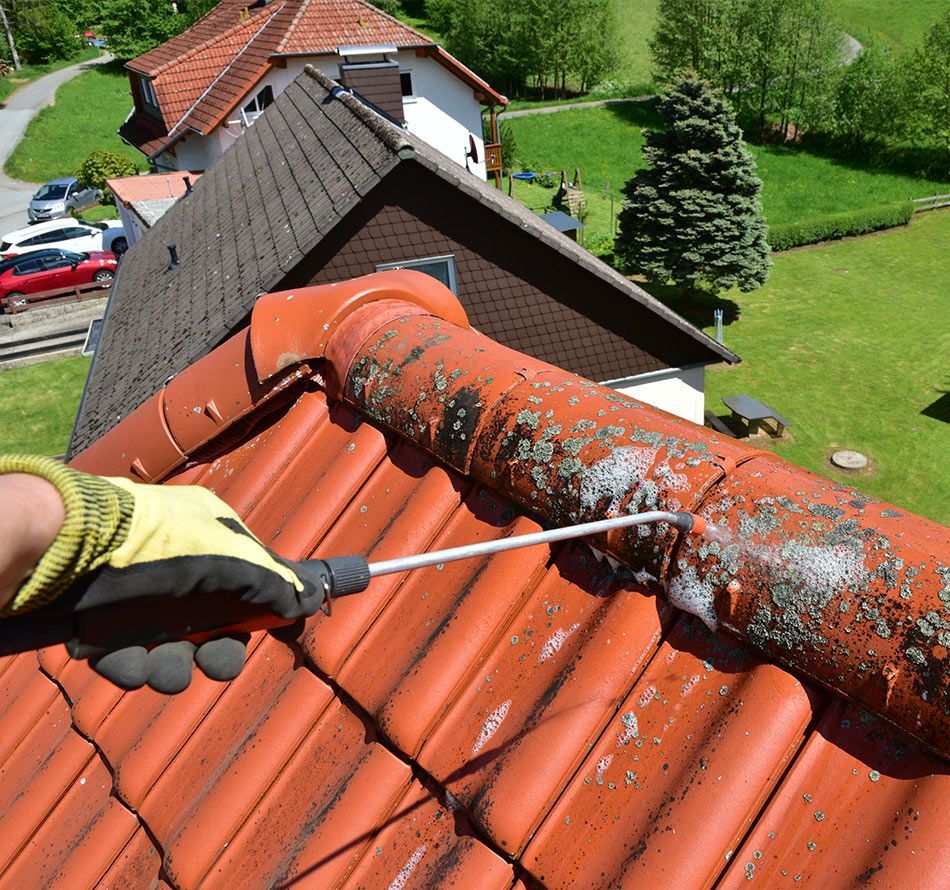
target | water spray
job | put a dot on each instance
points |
(352, 574)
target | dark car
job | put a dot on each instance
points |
(45, 270)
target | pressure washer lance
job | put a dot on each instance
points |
(145, 621)
(352, 574)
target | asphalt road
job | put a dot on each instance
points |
(14, 116)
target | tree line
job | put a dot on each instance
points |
(41, 31)
(784, 65)
(529, 45)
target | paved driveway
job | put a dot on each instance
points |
(14, 116)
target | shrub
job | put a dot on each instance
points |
(600, 244)
(615, 89)
(101, 165)
(840, 225)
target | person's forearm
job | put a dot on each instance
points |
(31, 515)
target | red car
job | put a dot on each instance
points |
(45, 270)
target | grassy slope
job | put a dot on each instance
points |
(606, 144)
(87, 113)
(635, 20)
(846, 341)
(16, 79)
(901, 24)
(38, 405)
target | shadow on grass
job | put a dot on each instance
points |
(919, 162)
(637, 114)
(695, 306)
(939, 409)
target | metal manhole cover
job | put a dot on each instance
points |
(849, 460)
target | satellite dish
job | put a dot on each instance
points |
(472, 150)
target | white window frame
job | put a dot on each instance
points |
(447, 258)
(412, 82)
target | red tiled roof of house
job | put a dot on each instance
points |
(534, 718)
(151, 186)
(200, 75)
(322, 26)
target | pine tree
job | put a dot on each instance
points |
(692, 215)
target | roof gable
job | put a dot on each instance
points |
(309, 161)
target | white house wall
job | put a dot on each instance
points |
(679, 391)
(443, 112)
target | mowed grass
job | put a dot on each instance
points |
(606, 144)
(38, 404)
(88, 111)
(850, 341)
(16, 79)
(900, 23)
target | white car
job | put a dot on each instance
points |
(76, 235)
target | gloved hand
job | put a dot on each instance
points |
(135, 564)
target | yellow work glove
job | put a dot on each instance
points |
(137, 564)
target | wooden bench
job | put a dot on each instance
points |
(717, 424)
(752, 412)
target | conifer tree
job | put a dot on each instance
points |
(692, 216)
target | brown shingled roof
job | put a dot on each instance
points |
(310, 163)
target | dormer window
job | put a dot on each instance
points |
(149, 99)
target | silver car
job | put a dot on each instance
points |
(57, 197)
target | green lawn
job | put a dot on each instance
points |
(15, 79)
(606, 142)
(88, 111)
(635, 19)
(38, 404)
(850, 341)
(901, 23)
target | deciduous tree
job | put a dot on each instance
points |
(931, 80)
(692, 216)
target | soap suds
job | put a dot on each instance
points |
(555, 641)
(406, 871)
(491, 725)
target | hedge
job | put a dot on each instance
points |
(840, 225)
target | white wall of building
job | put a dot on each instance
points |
(443, 112)
(130, 223)
(679, 391)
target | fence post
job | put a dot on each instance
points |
(717, 316)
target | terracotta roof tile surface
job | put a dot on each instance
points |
(285, 189)
(323, 26)
(535, 718)
(153, 186)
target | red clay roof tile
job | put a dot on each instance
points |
(562, 715)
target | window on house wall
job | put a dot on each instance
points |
(264, 98)
(148, 95)
(405, 81)
(441, 268)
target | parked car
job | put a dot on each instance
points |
(76, 235)
(44, 270)
(57, 197)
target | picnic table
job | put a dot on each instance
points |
(752, 412)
